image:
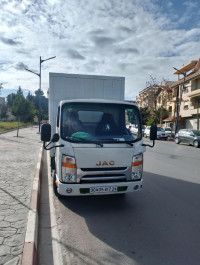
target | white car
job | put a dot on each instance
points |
(147, 131)
(133, 129)
(161, 134)
(169, 131)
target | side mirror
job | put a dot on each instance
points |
(46, 132)
(153, 132)
(55, 138)
(46, 137)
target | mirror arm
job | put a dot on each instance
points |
(45, 147)
(149, 144)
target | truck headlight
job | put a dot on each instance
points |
(137, 167)
(68, 169)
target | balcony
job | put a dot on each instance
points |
(189, 112)
(173, 99)
(195, 93)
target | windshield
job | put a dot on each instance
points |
(89, 122)
(196, 132)
(160, 129)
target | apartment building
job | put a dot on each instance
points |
(186, 92)
(157, 96)
(183, 94)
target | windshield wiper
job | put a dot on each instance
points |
(117, 140)
(86, 140)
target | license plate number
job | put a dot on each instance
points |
(103, 189)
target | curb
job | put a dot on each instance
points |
(29, 255)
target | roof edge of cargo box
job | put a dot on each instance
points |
(86, 76)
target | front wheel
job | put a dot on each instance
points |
(55, 186)
(176, 140)
(196, 144)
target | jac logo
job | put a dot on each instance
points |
(105, 163)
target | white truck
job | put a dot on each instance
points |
(92, 151)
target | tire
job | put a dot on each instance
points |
(55, 187)
(177, 140)
(196, 144)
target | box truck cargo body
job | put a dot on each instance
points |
(93, 151)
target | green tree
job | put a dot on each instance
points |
(19, 91)
(23, 109)
(3, 112)
(41, 100)
(10, 99)
(145, 115)
(30, 97)
(159, 115)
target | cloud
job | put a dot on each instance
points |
(109, 37)
(75, 54)
(20, 66)
(9, 41)
(103, 41)
(126, 51)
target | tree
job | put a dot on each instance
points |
(10, 99)
(30, 97)
(19, 91)
(159, 115)
(145, 115)
(43, 101)
(3, 112)
(23, 109)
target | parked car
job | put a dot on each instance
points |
(147, 131)
(161, 134)
(143, 129)
(169, 131)
(132, 128)
(188, 136)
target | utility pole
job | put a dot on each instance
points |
(198, 104)
(178, 102)
(40, 90)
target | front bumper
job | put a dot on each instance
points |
(84, 189)
(160, 137)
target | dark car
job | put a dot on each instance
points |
(188, 136)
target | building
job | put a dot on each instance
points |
(182, 95)
(186, 95)
(156, 96)
(2, 101)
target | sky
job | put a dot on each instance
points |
(135, 39)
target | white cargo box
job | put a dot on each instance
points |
(74, 86)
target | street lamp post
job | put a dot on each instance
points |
(39, 75)
(179, 103)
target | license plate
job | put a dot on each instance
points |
(103, 189)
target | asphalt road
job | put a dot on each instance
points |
(158, 226)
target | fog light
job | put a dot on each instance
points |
(69, 178)
(136, 187)
(137, 175)
(69, 190)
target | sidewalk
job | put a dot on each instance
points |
(18, 160)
